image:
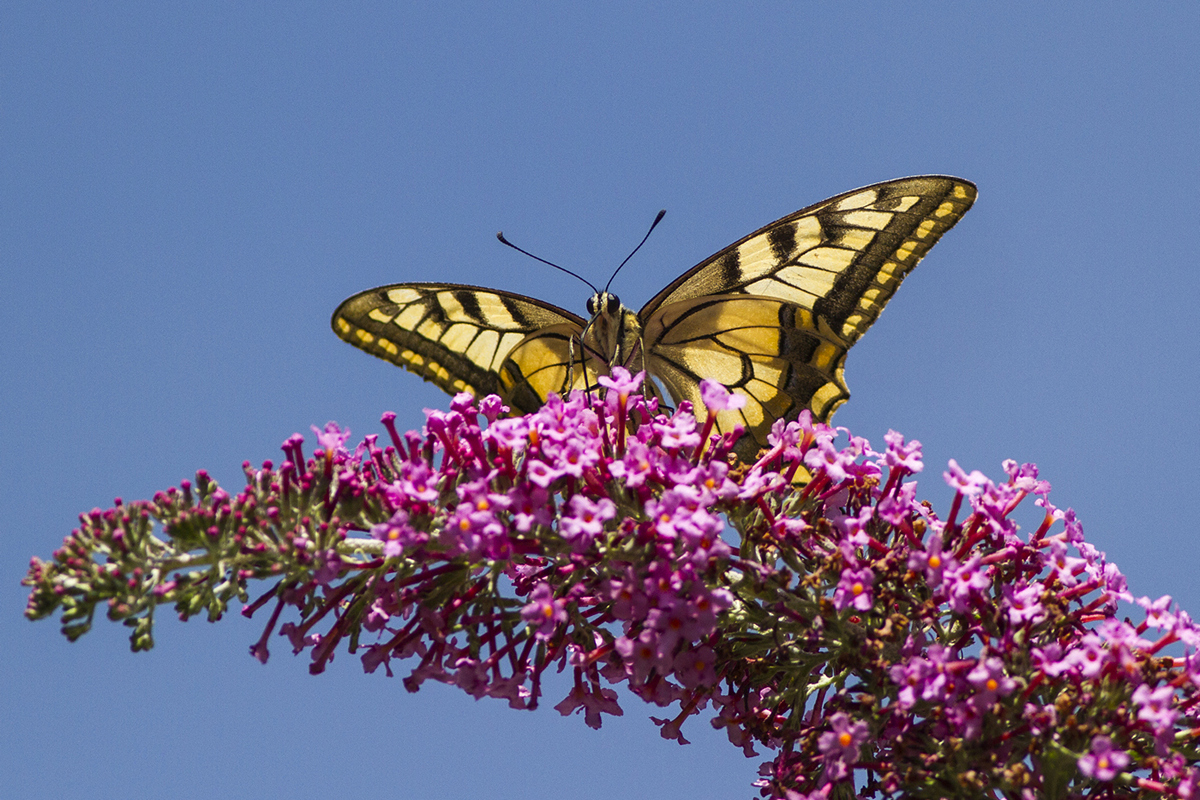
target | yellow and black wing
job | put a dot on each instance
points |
(772, 315)
(467, 338)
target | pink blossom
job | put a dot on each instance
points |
(544, 611)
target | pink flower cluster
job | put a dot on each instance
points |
(598, 529)
(808, 598)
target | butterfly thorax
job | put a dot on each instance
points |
(614, 333)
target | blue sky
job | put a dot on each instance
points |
(187, 191)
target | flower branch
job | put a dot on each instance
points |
(810, 601)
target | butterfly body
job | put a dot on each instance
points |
(771, 316)
(614, 332)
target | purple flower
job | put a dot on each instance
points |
(673, 623)
(667, 515)
(1104, 762)
(492, 408)
(1088, 655)
(583, 521)
(416, 482)
(541, 473)
(1187, 630)
(908, 677)
(635, 466)
(529, 507)
(897, 507)
(593, 703)
(662, 583)
(381, 610)
(512, 689)
(995, 502)
(788, 528)
(969, 485)
(967, 581)
(615, 535)
(374, 655)
(706, 604)
(1064, 566)
(573, 456)
(713, 480)
(463, 403)
(694, 667)
(1024, 604)
(471, 676)
(511, 433)
(679, 431)
(1114, 582)
(924, 676)
(854, 528)
(900, 455)
(843, 741)
(1154, 706)
(757, 482)
(479, 495)
(619, 380)
(544, 612)
(827, 458)
(1158, 612)
(639, 654)
(1024, 477)
(331, 438)
(1120, 634)
(397, 535)
(629, 602)
(854, 589)
(990, 681)
(330, 568)
(558, 420)
(785, 436)
(717, 398)
(475, 532)
(1050, 659)
(931, 561)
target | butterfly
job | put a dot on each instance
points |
(771, 316)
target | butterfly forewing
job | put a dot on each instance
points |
(456, 336)
(842, 258)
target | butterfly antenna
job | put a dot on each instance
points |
(500, 236)
(653, 225)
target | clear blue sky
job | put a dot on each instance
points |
(188, 190)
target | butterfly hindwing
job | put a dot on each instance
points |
(546, 362)
(456, 336)
(769, 351)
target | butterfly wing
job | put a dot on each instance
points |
(548, 361)
(465, 338)
(769, 351)
(772, 315)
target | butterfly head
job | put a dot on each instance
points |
(603, 303)
(613, 332)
